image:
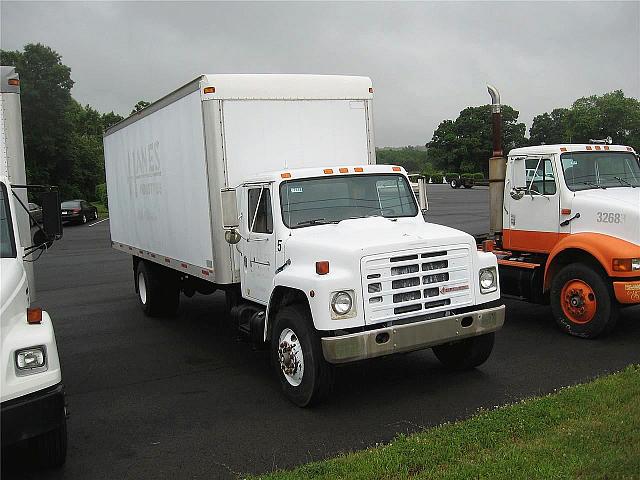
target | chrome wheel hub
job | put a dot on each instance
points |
(290, 357)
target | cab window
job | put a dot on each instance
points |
(540, 177)
(260, 217)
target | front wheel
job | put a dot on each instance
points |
(83, 220)
(465, 354)
(582, 302)
(95, 214)
(296, 353)
(454, 183)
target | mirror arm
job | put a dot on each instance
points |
(26, 209)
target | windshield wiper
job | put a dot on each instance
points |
(624, 182)
(315, 221)
(597, 185)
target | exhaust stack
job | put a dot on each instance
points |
(497, 168)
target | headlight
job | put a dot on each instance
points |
(31, 360)
(342, 304)
(488, 280)
(626, 264)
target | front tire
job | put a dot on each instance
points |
(51, 447)
(582, 302)
(465, 354)
(158, 290)
(454, 183)
(296, 353)
(83, 220)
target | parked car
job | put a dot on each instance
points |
(35, 213)
(79, 211)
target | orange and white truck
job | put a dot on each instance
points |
(565, 226)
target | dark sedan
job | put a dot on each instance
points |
(79, 211)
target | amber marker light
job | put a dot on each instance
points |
(14, 82)
(322, 268)
(209, 90)
(34, 316)
(358, 169)
(343, 170)
(622, 264)
(285, 175)
(396, 169)
(328, 171)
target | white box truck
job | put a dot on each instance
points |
(33, 402)
(265, 186)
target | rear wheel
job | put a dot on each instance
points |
(582, 301)
(83, 220)
(158, 290)
(296, 353)
(95, 214)
(465, 354)
(454, 183)
(51, 447)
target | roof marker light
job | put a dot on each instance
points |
(597, 147)
(327, 171)
(343, 170)
(370, 89)
(285, 175)
(630, 149)
(396, 169)
(563, 149)
(209, 90)
(14, 82)
(588, 147)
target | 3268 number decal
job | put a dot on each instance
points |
(610, 217)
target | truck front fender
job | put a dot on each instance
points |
(600, 247)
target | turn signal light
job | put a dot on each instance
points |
(14, 82)
(626, 264)
(34, 316)
(322, 268)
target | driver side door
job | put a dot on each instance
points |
(534, 219)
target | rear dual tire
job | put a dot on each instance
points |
(158, 289)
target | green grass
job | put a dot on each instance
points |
(103, 211)
(586, 431)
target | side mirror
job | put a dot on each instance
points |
(423, 201)
(51, 216)
(518, 172)
(232, 236)
(229, 207)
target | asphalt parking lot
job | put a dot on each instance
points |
(183, 398)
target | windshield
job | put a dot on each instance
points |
(588, 170)
(316, 201)
(70, 204)
(7, 243)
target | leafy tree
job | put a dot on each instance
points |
(45, 95)
(550, 128)
(109, 119)
(593, 117)
(411, 158)
(139, 106)
(465, 144)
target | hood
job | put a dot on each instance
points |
(614, 211)
(379, 235)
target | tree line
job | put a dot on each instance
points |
(63, 139)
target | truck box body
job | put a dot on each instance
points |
(165, 165)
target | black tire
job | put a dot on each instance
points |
(83, 219)
(465, 354)
(51, 447)
(454, 183)
(318, 375)
(468, 185)
(95, 214)
(158, 290)
(606, 309)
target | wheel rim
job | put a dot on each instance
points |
(453, 183)
(142, 288)
(290, 357)
(84, 219)
(578, 301)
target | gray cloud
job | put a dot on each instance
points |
(427, 60)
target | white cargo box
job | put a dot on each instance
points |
(165, 165)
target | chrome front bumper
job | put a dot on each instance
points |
(413, 336)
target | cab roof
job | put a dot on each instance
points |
(299, 173)
(566, 147)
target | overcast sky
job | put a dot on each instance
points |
(427, 61)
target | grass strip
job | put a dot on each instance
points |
(585, 431)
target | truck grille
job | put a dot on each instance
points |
(415, 283)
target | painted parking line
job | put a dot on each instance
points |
(100, 221)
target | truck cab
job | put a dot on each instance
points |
(338, 265)
(572, 232)
(31, 389)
